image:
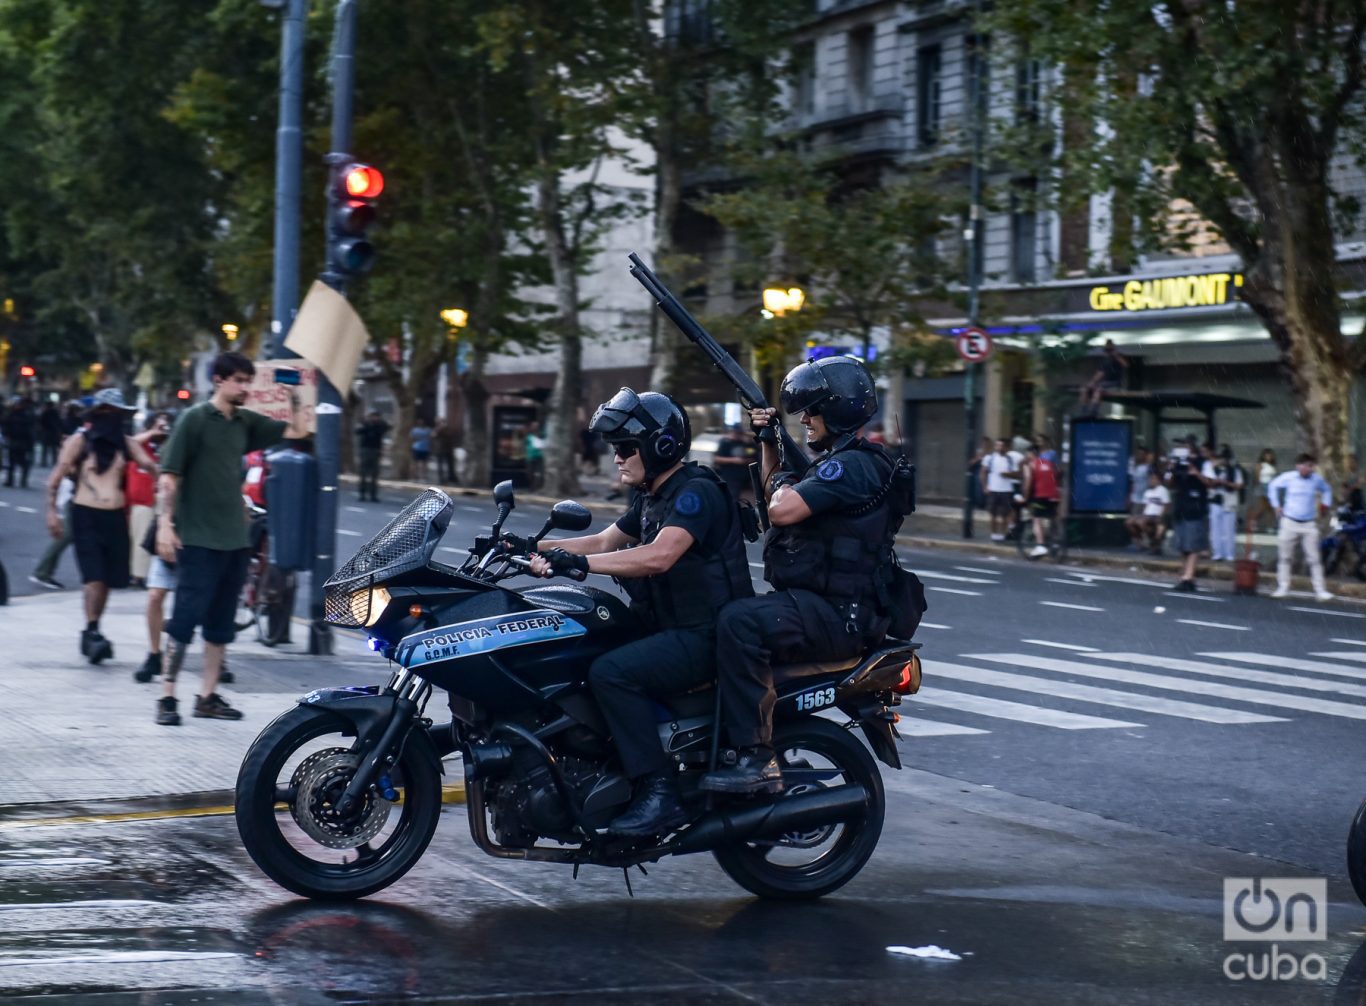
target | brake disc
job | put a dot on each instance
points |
(318, 782)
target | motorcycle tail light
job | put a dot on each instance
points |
(909, 682)
(417, 611)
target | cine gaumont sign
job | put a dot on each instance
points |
(1166, 293)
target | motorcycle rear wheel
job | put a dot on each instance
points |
(813, 753)
(276, 838)
(1356, 852)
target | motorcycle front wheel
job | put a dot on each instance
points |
(1356, 852)
(286, 814)
(814, 753)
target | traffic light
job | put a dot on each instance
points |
(27, 373)
(351, 198)
(183, 394)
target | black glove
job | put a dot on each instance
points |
(563, 563)
(516, 543)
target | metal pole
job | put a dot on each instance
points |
(974, 233)
(288, 170)
(329, 412)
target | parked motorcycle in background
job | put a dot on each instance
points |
(339, 796)
(1345, 545)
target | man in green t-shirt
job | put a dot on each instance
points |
(202, 524)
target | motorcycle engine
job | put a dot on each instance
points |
(526, 805)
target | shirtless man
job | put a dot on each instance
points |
(95, 458)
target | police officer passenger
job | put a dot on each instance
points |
(678, 551)
(828, 554)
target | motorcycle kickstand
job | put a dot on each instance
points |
(626, 873)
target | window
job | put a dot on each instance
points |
(1027, 92)
(859, 66)
(928, 94)
(805, 59)
(1024, 232)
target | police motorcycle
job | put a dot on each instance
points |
(1356, 852)
(340, 795)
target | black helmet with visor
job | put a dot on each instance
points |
(839, 389)
(652, 423)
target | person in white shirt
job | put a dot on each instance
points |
(998, 479)
(1149, 524)
(1297, 496)
(1226, 479)
(1261, 503)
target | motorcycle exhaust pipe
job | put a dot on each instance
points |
(834, 805)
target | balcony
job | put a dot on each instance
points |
(848, 113)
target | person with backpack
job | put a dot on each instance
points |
(95, 459)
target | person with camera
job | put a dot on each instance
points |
(1190, 514)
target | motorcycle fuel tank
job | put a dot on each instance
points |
(484, 636)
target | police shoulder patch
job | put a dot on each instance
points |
(831, 470)
(688, 503)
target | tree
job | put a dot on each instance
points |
(1241, 110)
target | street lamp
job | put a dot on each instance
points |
(779, 301)
(230, 331)
(455, 317)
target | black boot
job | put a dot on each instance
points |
(656, 810)
(756, 771)
(151, 668)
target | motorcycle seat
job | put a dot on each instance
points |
(814, 668)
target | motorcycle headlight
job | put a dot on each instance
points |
(367, 606)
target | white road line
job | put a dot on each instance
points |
(1213, 625)
(1292, 663)
(1194, 597)
(356, 509)
(934, 625)
(353, 534)
(912, 727)
(447, 548)
(25, 509)
(1325, 611)
(1074, 607)
(1256, 696)
(3, 503)
(1100, 696)
(975, 569)
(472, 509)
(1349, 642)
(1062, 646)
(1239, 673)
(952, 590)
(1118, 579)
(1069, 583)
(926, 574)
(1342, 655)
(1018, 711)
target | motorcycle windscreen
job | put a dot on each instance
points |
(486, 635)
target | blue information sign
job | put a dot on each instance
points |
(1100, 465)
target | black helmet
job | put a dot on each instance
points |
(655, 423)
(839, 389)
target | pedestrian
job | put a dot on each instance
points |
(876, 435)
(1226, 483)
(533, 447)
(202, 529)
(421, 438)
(590, 451)
(1190, 516)
(443, 449)
(161, 581)
(72, 418)
(1041, 493)
(734, 454)
(95, 460)
(1293, 496)
(370, 443)
(1109, 376)
(680, 554)
(21, 434)
(49, 432)
(1046, 449)
(976, 485)
(140, 493)
(998, 474)
(1148, 527)
(1139, 466)
(1261, 499)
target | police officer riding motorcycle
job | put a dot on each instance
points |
(679, 554)
(829, 556)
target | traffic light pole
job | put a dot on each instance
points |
(329, 412)
(289, 145)
(974, 235)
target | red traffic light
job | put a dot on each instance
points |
(183, 394)
(27, 371)
(360, 181)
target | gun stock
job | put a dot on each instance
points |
(794, 459)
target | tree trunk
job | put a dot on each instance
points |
(475, 398)
(561, 470)
(665, 340)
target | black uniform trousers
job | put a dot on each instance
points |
(625, 679)
(753, 634)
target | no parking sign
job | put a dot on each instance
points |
(973, 344)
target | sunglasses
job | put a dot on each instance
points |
(625, 451)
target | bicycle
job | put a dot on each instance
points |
(1055, 539)
(268, 594)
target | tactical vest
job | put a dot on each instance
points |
(842, 555)
(700, 583)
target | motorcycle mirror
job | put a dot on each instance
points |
(503, 492)
(567, 515)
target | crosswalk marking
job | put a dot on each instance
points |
(1074, 607)
(1292, 663)
(1349, 642)
(1062, 646)
(975, 569)
(954, 590)
(1213, 625)
(1280, 700)
(1359, 655)
(934, 625)
(1018, 711)
(926, 574)
(1070, 583)
(1118, 579)
(912, 726)
(1240, 673)
(1091, 693)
